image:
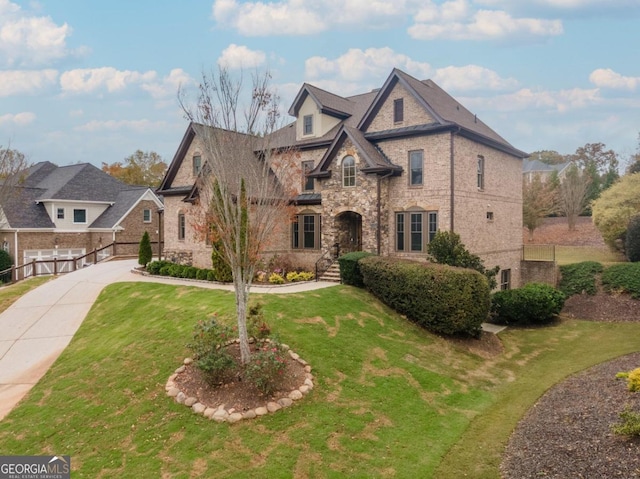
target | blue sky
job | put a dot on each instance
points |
(93, 81)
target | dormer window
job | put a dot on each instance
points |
(307, 128)
(398, 110)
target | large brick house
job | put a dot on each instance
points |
(65, 212)
(380, 172)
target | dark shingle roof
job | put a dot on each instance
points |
(124, 201)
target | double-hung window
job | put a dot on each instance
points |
(415, 229)
(146, 215)
(197, 165)
(181, 226)
(60, 213)
(305, 231)
(480, 172)
(416, 168)
(505, 279)
(348, 171)
(307, 125)
(398, 110)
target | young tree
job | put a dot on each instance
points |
(539, 200)
(573, 194)
(145, 253)
(600, 165)
(143, 168)
(239, 191)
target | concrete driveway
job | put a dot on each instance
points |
(38, 326)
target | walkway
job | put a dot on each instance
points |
(37, 327)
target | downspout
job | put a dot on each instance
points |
(452, 203)
(379, 207)
(15, 255)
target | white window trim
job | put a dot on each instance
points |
(85, 216)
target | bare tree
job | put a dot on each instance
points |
(539, 200)
(573, 194)
(242, 190)
(12, 163)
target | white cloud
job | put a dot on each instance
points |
(358, 65)
(458, 20)
(93, 79)
(607, 78)
(30, 40)
(561, 101)
(18, 82)
(19, 119)
(127, 125)
(239, 56)
(169, 85)
(472, 77)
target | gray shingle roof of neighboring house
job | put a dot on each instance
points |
(531, 166)
(45, 181)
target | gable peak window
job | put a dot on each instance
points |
(307, 125)
(146, 215)
(197, 164)
(480, 172)
(416, 167)
(398, 110)
(349, 171)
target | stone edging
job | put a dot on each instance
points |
(221, 414)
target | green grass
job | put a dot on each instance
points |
(391, 400)
(578, 254)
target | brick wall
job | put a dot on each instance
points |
(414, 113)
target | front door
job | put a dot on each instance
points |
(349, 232)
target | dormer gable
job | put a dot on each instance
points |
(318, 111)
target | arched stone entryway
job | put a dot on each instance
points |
(349, 231)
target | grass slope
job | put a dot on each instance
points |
(391, 400)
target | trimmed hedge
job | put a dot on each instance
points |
(579, 278)
(349, 269)
(534, 303)
(440, 298)
(632, 240)
(623, 277)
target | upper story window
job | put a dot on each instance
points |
(181, 226)
(398, 110)
(60, 213)
(307, 183)
(480, 172)
(146, 215)
(415, 168)
(349, 171)
(79, 216)
(307, 125)
(197, 165)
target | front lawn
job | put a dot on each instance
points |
(391, 400)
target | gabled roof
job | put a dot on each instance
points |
(376, 161)
(45, 182)
(327, 103)
(530, 166)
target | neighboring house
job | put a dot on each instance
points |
(380, 172)
(65, 212)
(533, 168)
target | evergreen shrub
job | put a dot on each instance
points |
(440, 298)
(534, 303)
(349, 270)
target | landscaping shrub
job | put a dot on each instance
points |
(632, 240)
(295, 276)
(257, 326)
(211, 275)
(145, 254)
(5, 263)
(633, 379)
(534, 303)
(624, 278)
(349, 269)
(629, 425)
(191, 272)
(207, 345)
(446, 248)
(266, 367)
(579, 278)
(275, 278)
(155, 266)
(201, 274)
(440, 298)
